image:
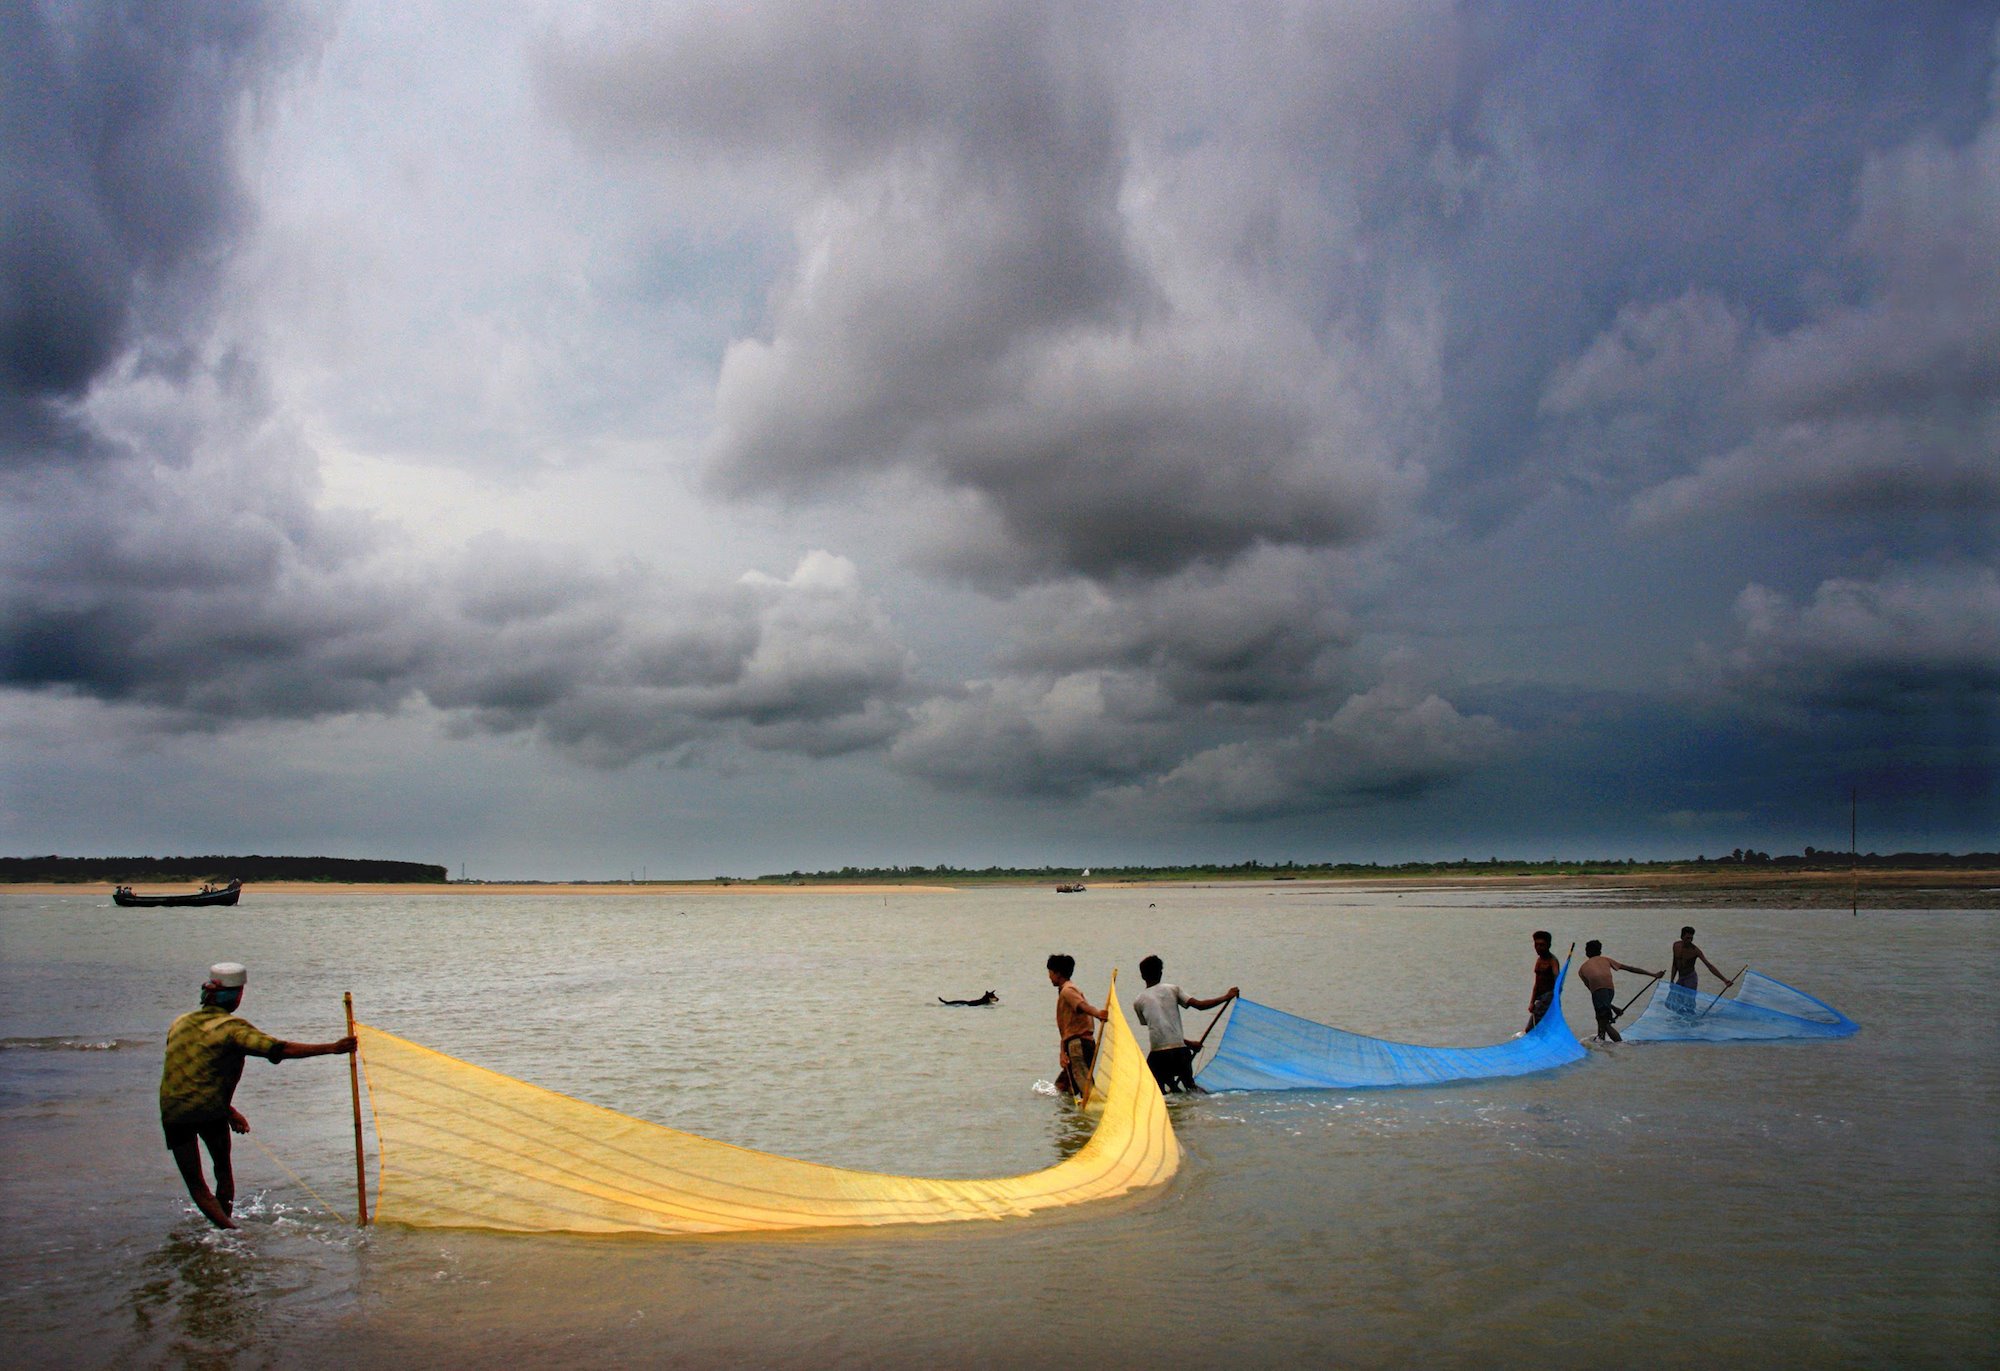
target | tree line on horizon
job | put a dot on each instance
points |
(1812, 859)
(135, 870)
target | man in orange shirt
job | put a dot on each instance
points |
(1073, 1025)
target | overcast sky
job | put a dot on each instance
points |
(573, 440)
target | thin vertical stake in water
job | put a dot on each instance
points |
(354, 1085)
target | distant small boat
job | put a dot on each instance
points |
(1069, 889)
(208, 894)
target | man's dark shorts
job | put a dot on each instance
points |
(214, 1132)
(1173, 1068)
(1540, 1006)
(1079, 1063)
(1602, 1001)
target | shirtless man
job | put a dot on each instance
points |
(1684, 975)
(1546, 969)
(1073, 1025)
(1595, 973)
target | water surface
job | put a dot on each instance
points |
(1831, 1204)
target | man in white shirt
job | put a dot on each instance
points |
(1159, 1008)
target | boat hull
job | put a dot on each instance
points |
(217, 897)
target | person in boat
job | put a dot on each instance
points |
(1684, 977)
(990, 997)
(1596, 975)
(1159, 1005)
(205, 1052)
(1546, 970)
(1074, 1015)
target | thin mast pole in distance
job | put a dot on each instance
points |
(1854, 851)
(354, 1085)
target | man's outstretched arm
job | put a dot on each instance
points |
(338, 1047)
(1224, 998)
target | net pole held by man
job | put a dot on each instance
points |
(354, 1088)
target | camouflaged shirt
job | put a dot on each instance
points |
(205, 1052)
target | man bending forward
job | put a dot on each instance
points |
(1595, 973)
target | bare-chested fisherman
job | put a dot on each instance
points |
(1073, 1025)
(1546, 970)
(1684, 975)
(1595, 973)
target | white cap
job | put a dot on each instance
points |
(227, 975)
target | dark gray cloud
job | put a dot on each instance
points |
(1244, 371)
(1040, 735)
(1907, 642)
(1877, 407)
(189, 572)
(977, 301)
(1625, 156)
(1262, 630)
(121, 191)
(1391, 743)
(613, 671)
(212, 623)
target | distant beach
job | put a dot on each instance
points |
(1956, 888)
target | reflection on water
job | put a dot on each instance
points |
(199, 1294)
(1819, 1204)
(208, 1298)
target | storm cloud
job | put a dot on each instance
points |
(1104, 421)
(121, 126)
(991, 288)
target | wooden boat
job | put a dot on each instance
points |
(1069, 890)
(223, 894)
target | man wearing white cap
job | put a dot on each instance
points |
(205, 1052)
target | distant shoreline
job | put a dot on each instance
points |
(450, 888)
(1955, 888)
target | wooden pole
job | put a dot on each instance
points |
(354, 1085)
(1720, 993)
(1619, 1013)
(1220, 1011)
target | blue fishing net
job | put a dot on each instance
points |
(1267, 1049)
(1763, 1010)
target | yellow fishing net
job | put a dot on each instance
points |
(464, 1147)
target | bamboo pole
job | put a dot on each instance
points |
(1651, 981)
(1202, 1041)
(354, 1085)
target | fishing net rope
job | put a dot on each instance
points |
(464, 1147)
(1763, 1010)
(1267, 1049)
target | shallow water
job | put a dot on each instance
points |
(1824, 1203)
